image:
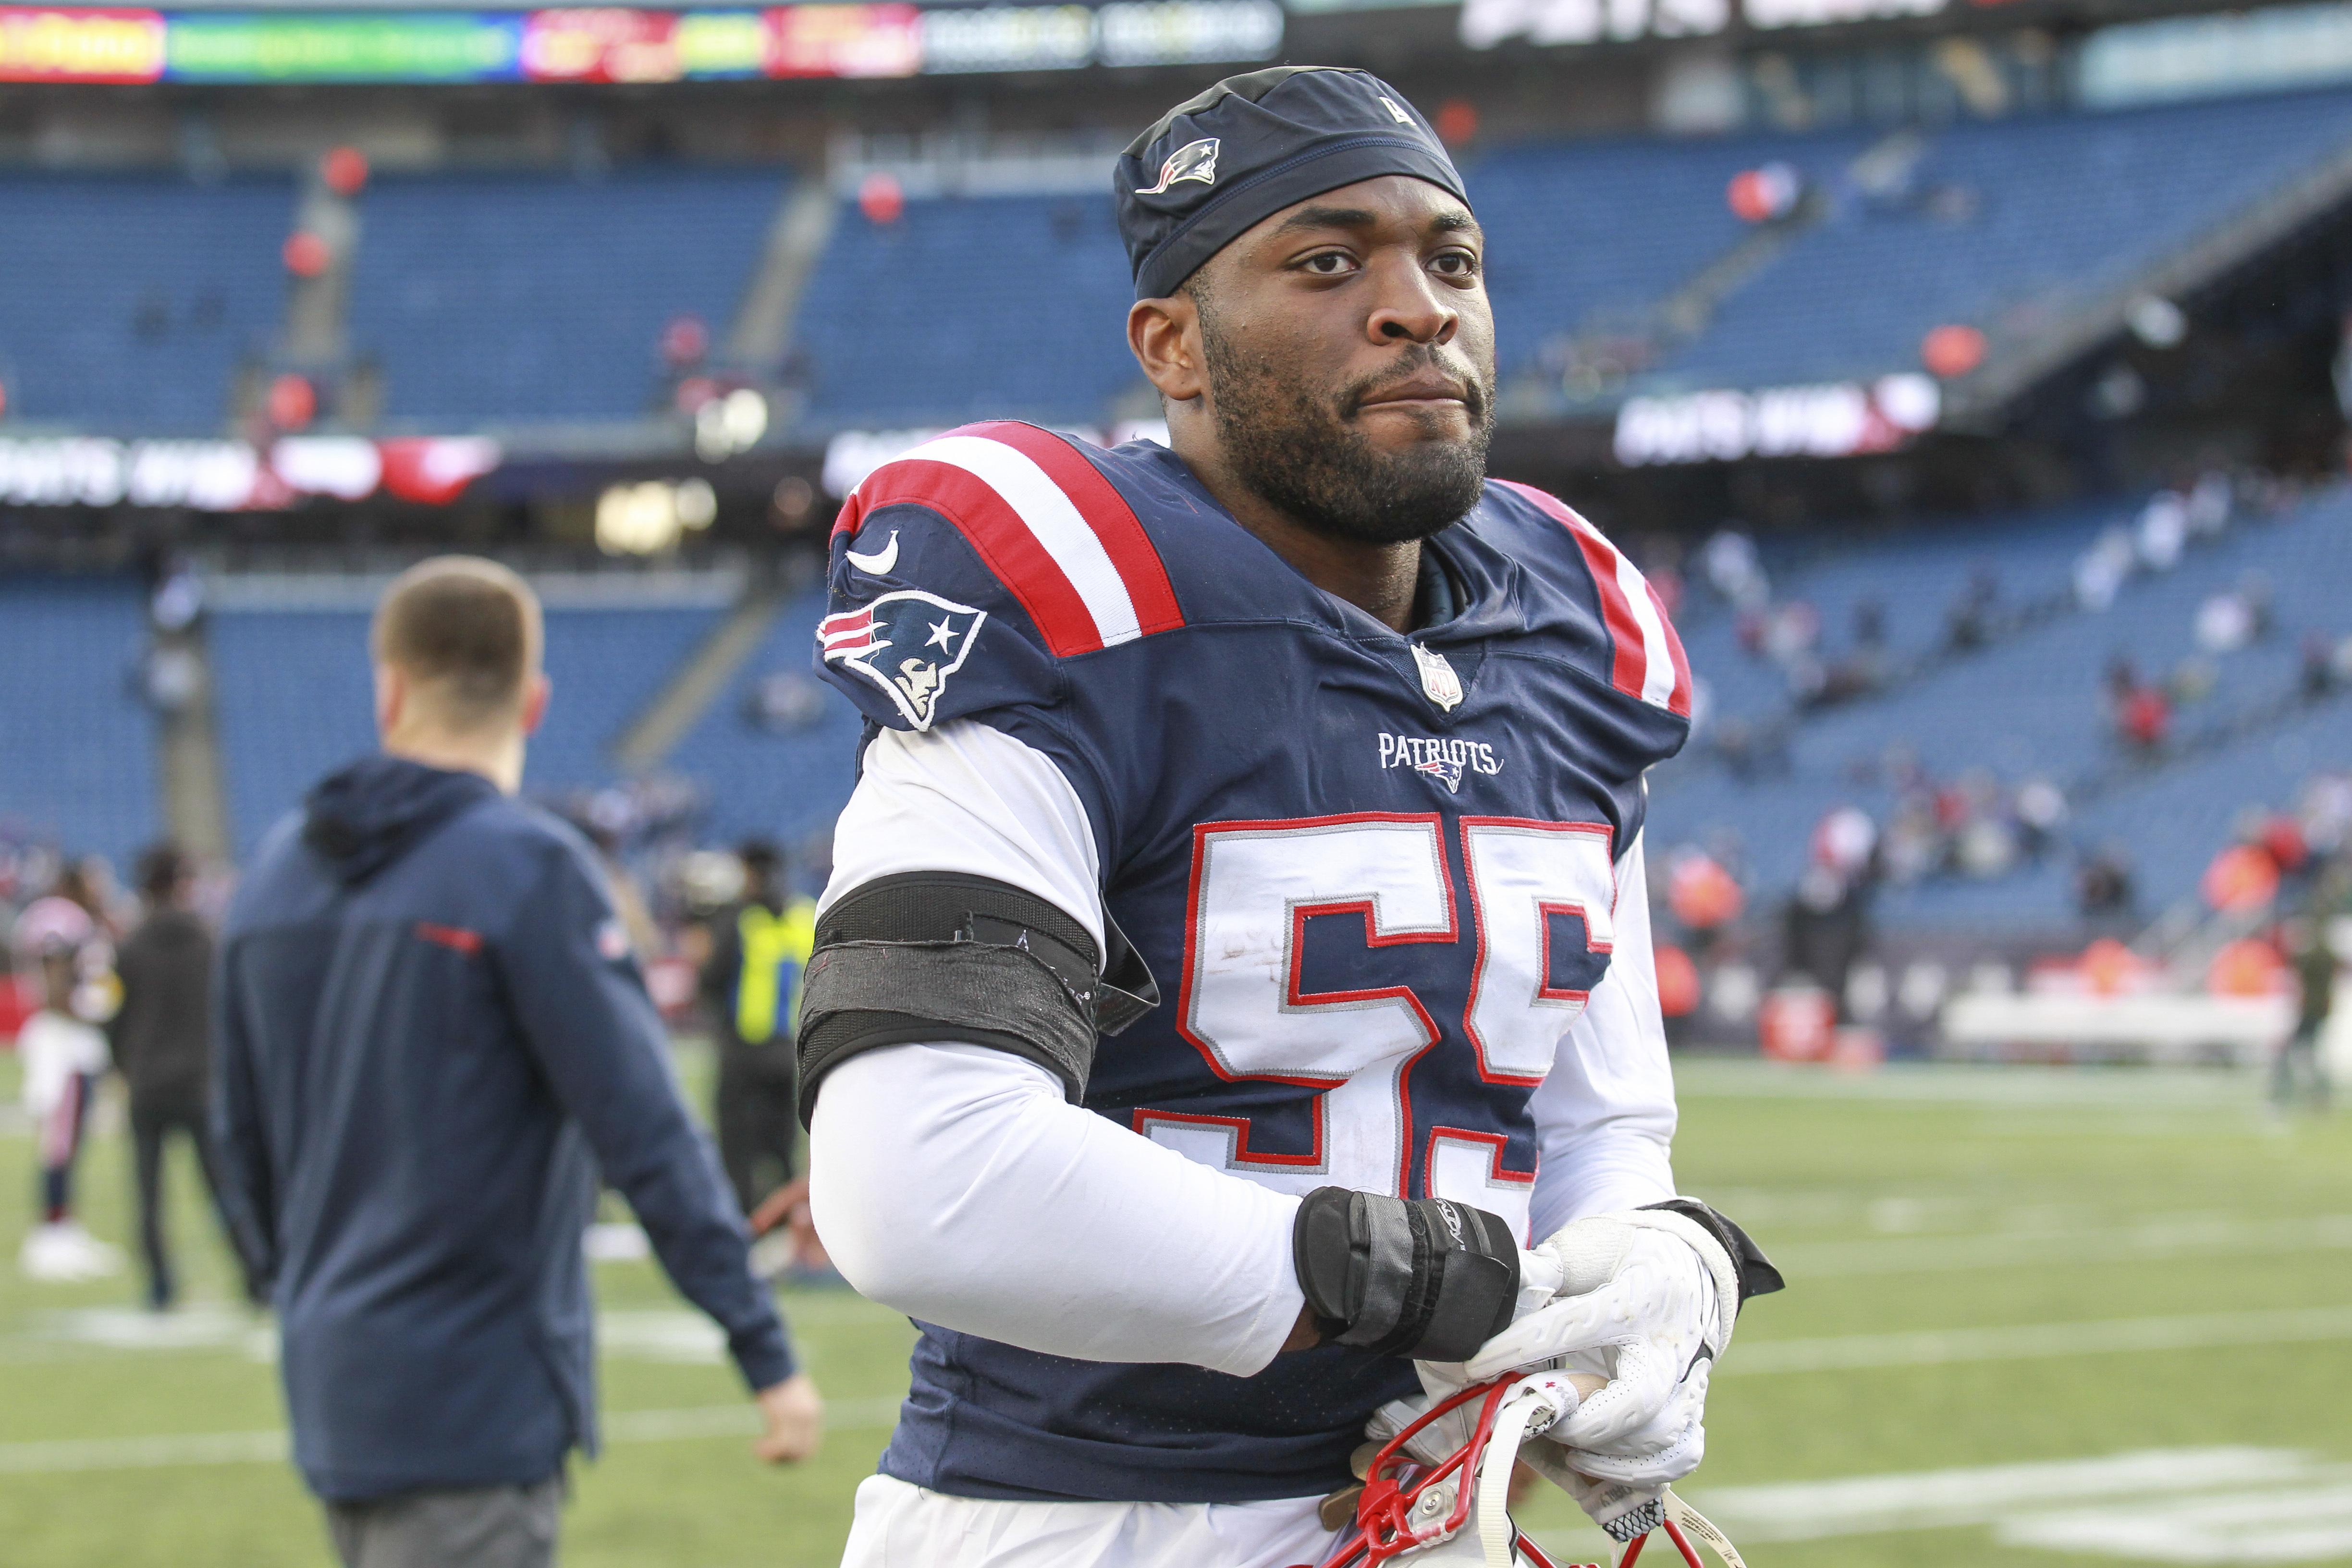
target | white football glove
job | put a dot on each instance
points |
(1647, 1297)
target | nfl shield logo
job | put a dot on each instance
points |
(1438, 681)
(907, 643)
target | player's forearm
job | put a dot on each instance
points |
(955, 1183)
(1617, 1162)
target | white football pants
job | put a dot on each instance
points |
(903, 1526)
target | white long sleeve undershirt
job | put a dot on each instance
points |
(957, 1184)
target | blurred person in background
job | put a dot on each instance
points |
(63, 1056)
(1826, 928)
(433, 1038)
(2309, 942)
(2105, 891)
(162, 1035)
(752, 985)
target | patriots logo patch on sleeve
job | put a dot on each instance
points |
(907, 643)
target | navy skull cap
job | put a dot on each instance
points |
(1218, 164)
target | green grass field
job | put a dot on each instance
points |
(2017, 1268)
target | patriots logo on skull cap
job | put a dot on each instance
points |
(1193, 161)
(907, 643)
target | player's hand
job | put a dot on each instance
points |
(794, 1416)
(787, 1210)
(1641, 1301)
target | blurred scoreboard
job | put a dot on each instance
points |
(618, 44)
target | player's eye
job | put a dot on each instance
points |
(1327, 264)
(1460, 265)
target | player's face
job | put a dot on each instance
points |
(1350, 359)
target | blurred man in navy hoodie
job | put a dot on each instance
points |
(433, 1041)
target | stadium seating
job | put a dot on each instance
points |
(2000, 225)
(1587, 236)
(2030, 705)
(131, 299)
(787, 785)
(994, 308)
(294, 695)
(77, 745)
(293, 700)
(510, 299)
(1011, 307)
(1916, 579)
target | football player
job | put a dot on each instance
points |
(1237, 950)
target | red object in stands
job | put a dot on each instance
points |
(881, 199)
(1677, 982)
(1701, 893)
(1952, 350)
(436, 469)
(2282, 837)
(685, 341)
(2247, 967)
(1457, 123)
(18, 1003)
(345, 170)
(1759, 195)
(293, 402)
(2241, 877)
(306, 254)
(2146, 717)
(1797, 1024)
(2111, 969)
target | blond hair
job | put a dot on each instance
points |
(466, 631)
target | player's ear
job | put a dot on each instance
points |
(535, 694)
(390, 698)
(1165, 335)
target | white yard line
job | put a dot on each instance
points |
(2023, 1087)
(2268, 1524)
(1844, 1353)
(255, 1447)
(2120, 1244)
(2219, 1506)
(1858, 1505)
(2027, 1341)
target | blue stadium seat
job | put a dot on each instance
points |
(1589, 235)
(76, 744)
(994, 308)
(131, 299)
(295, 698)
(2032, 705)
(785, 787)
(515, 299)
(2002, 225)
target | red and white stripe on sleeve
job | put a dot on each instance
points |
(1648, 661)
(1055, 531)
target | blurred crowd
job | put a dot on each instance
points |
(2273, 913)
(112, 981)
(1789, 633)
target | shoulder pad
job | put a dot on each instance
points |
(1049, 526)
(1646, 658)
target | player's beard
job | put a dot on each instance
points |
(1300, 448)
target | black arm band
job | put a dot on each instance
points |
(1756, 1275)
(940, 955)
(1423, 1277)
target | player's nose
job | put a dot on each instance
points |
(1411, 308)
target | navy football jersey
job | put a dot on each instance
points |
(1374, 873)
